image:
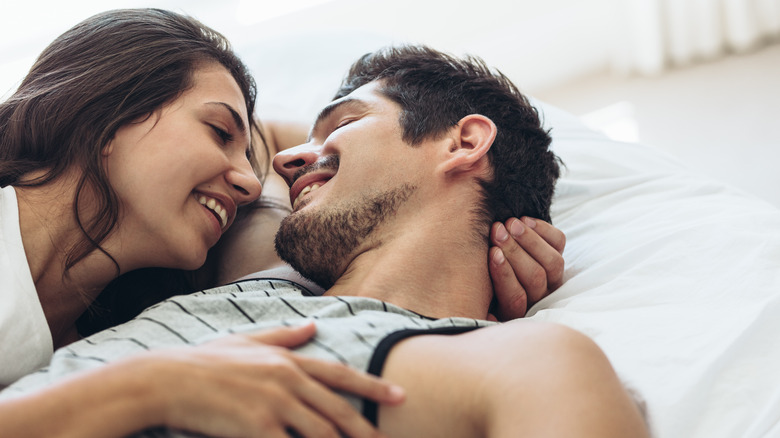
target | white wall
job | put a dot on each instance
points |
(537, 43)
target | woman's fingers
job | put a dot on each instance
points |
(539, 242)
(331, 374)
(511, 298)
(287, 337)
(316, 409)
(535, 255)
(344, 378)
(308, 422)
(323, 406)
(253, 385)
(551, 235)
(533, 250)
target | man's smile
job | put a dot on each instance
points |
(304, 192)
(306, 184)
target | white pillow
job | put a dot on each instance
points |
(676, 277)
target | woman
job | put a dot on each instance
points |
(128, 146)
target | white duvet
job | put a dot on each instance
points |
(676, 277)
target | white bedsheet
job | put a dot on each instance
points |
(676, 277)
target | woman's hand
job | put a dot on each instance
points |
(248, 385)
(526, 264)
(252, 385)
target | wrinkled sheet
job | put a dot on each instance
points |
(676, 277)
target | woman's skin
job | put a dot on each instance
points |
(237, 386)
(164, 167)
(159, 168)
(166, 170)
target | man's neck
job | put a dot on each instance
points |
(428, 269)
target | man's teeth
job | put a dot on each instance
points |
(305, 191)
(217, 208)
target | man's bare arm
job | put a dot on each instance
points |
(542, 379)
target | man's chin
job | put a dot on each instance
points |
(297, 243)
(320, 242)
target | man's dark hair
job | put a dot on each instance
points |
(436, 90)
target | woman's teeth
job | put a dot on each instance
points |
(305, 191)
(216, 207)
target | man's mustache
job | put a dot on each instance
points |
(326, 162)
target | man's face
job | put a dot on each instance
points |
(348, 184)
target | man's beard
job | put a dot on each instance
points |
(319, 244)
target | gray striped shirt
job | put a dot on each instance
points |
(352, 330)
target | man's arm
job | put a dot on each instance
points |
(543, 380)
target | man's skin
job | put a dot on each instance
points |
(525, 262)
(514, 375)
(496, 381)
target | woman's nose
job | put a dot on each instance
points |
(288, 162)
(245, 183)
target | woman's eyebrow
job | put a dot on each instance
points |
(240, 125)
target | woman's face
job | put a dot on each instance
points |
(180, 174)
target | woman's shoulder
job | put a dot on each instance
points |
(7, 200)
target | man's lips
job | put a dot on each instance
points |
(307, 180)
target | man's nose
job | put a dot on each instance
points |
(289, 161)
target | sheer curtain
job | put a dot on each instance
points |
(653, 35)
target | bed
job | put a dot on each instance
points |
(676, 276)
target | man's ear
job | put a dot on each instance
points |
(472, 138)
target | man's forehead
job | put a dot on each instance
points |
(363, 95)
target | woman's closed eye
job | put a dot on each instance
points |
(223, 135)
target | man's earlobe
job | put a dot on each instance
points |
(472, 139)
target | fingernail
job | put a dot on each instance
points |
(396, 393)
(530, 222)
(498, 257)
(516, 228)
(501, 234)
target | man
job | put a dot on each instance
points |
(393, 196)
